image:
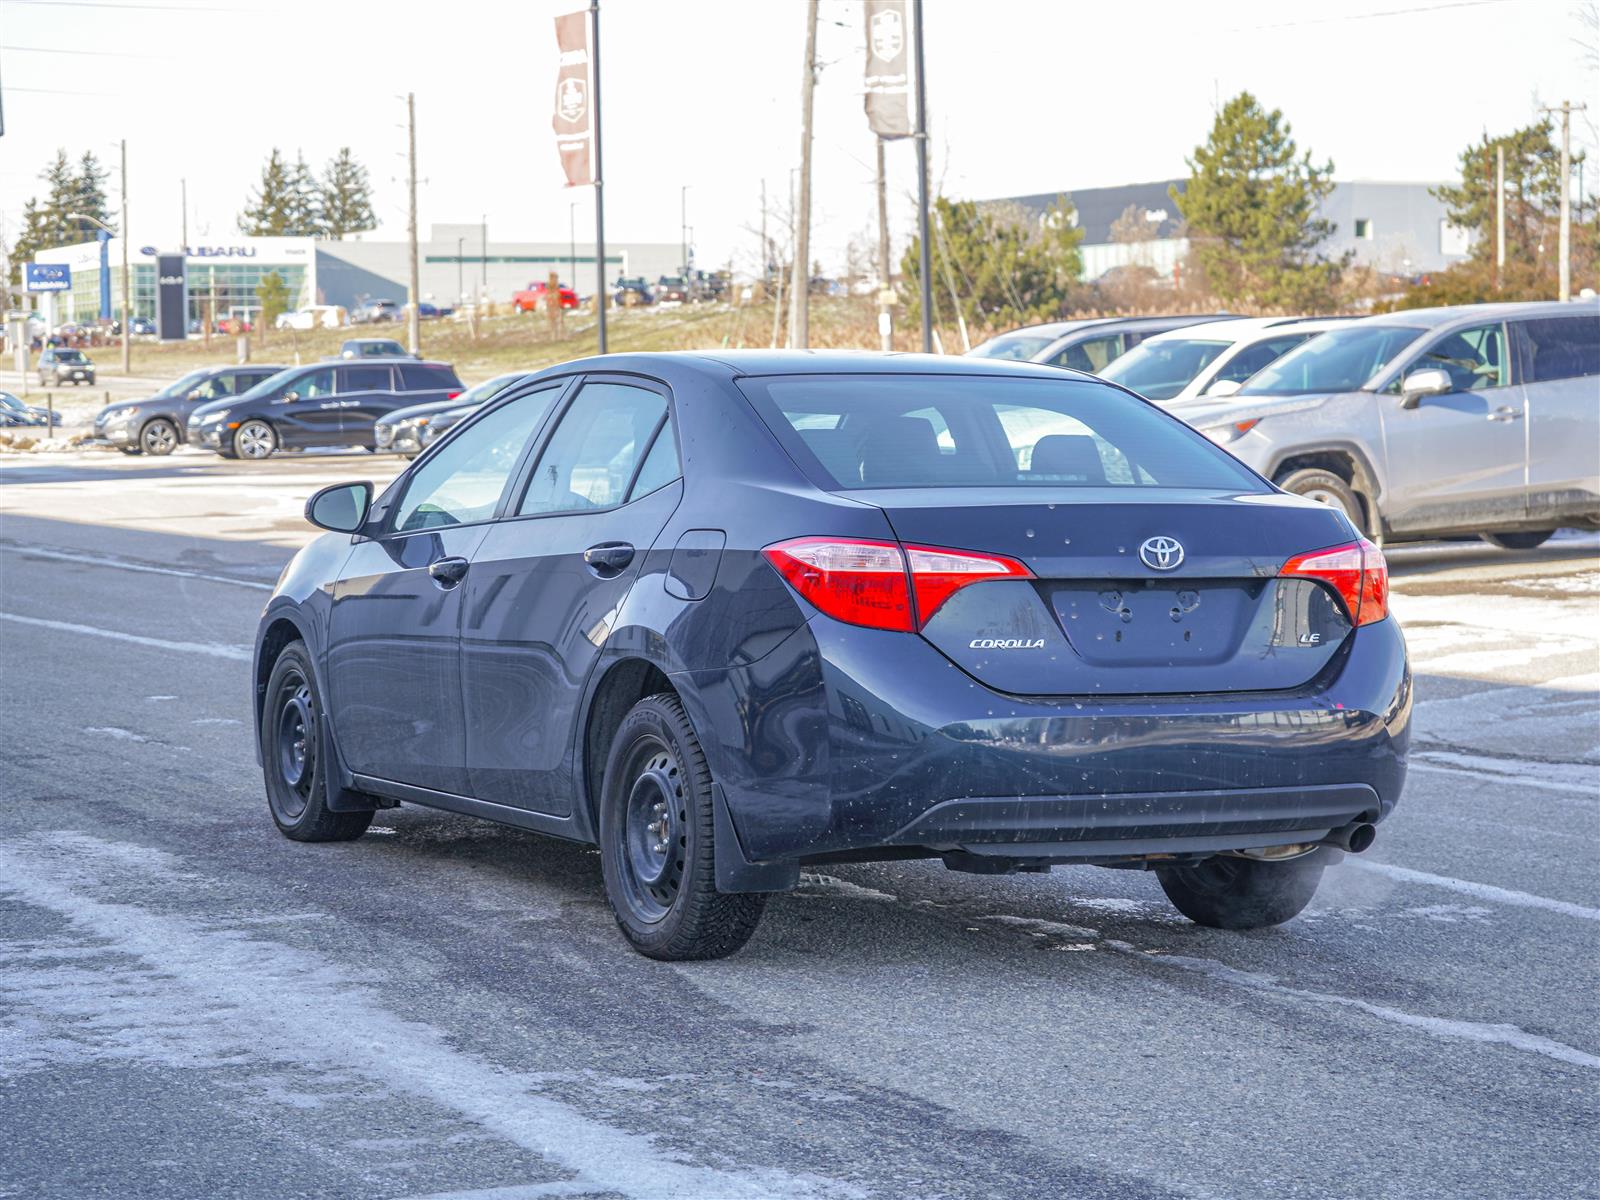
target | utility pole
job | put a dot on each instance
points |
(683, 231)
(572, 245)
(599, 181)
(1499, 213)
(483, 247)
(1566, 110)
(183, 184)
(885, 310)
(413, 317)
(924, 258)
(800, 281)
(127, 312)
(460, 258)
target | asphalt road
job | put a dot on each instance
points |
(192, 1006)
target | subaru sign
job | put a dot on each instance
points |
(47, 277)
(172, 298)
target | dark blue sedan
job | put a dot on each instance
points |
(730, 615)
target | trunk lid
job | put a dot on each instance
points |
(1099, 619)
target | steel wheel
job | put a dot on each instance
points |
(255, 439)
(655, 829)
(295, 752)
(159, 437)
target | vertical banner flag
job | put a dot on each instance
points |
(572, 123)
(888, 76)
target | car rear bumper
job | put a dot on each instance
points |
(845, 740)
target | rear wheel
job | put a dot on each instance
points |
(656, 841)
(158, 437)
(1519, 541)
(255, 439)
(1228, 892)
(1326, 488)
(291, 755)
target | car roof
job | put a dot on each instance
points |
(1433, 317)
(733, 364)
(1245, 329)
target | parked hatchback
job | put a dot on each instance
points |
(1214, 359)
(58, 366)
(159, 424)
(329, 404)
(1478, 419)
(731, 615)
(411, 430)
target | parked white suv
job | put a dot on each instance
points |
(1214, 359)
(1479, 419)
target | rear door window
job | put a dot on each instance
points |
(1252, 358)
(364, 379)
(1560, 348)
(1090, 355)
(592, 456)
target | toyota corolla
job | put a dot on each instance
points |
(732, 615)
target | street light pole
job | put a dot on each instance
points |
(460, 286)
(683, 230)
(572, 245)
(127, 312)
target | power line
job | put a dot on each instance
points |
(119, 4)
(57, 91)
(1368, 16)
(94, 53)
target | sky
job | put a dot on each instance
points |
(1024, 96)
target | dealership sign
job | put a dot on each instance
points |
(208, 251)
(172, 298)
(47, 277)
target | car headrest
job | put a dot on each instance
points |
(900, 450)
(1070, 457)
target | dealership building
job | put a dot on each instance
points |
(1399, 228)
(455, 262)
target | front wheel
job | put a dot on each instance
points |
(158, 437)
(255, 439)
(656, 841)
(1326, 488)
(1519, 541)
(1228, 892)
(292, 759)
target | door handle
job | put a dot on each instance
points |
(1506, 413)
(447, 572)
(608, 557)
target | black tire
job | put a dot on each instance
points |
(255, 440)
(226, 451)
(656, 841)
(291, 755)
(131, 451)
(1328, 488)
(1228, 892)
(1519, 541)
(158, 437)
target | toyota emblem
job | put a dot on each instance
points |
(1161, 553)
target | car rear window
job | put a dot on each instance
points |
(908, 431)
(422, 377)
(1018, 346)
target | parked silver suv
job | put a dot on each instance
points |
(1479, 419)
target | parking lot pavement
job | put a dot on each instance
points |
(191, 1005)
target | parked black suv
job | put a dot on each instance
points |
(327, 404)
(156, 425)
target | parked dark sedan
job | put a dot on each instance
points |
(158, 425)
(1090, 344)
(727, 615)
(329, 404)
(14, 412)
(409, 431)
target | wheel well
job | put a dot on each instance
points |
(1341, 463)
(624, 685)
(279, 634)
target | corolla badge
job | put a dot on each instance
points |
(1006, 644)
(1161, 553)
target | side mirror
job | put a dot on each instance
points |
(1429, 381)
(1224, 387)
(341, 507)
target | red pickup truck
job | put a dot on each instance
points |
(532, 297)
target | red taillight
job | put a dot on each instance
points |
(879, 584)
(452, 395)
(1356, 570)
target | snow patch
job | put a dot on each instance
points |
(116, 733)
(827, 885)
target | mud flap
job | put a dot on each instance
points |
(735, 872)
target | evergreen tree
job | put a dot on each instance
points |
(273, 292)
(346, 196)
(91, 194)
(273, 209)
(1005, 268)
(61, 198)
(1250, 208)
(305, 219)
(1533, 192)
